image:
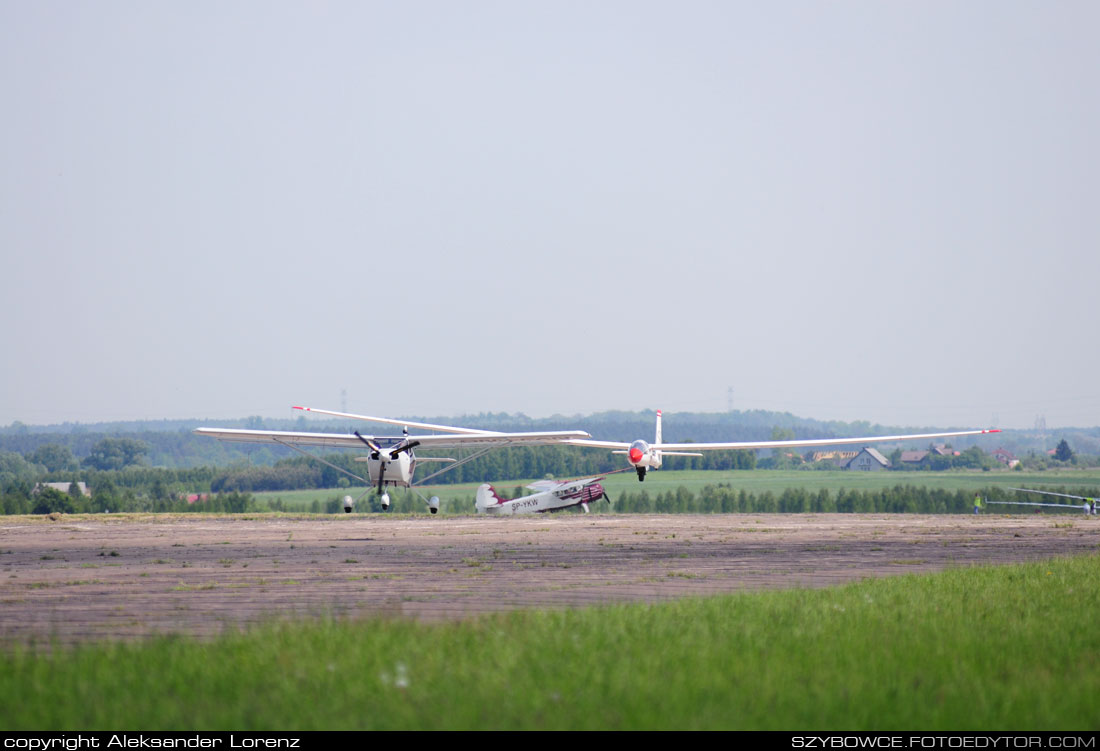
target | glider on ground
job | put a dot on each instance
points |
(1089, 505)
(552, 495)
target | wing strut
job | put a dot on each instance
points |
(314, 456)
(470, 458)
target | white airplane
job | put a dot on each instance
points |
(551, 496)
(391, 459)
(646, 456)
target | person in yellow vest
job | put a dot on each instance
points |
(977, 503)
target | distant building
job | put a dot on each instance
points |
(62, 486)
(839, 458)
(913, 457)
(1004, 457)
(868, 460)
(942, 450)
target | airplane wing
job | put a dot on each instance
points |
(619, 445)
(326, 440)
(342, 440)
(1028, 503)
(544, 485)
(403, 423)
(1047, 492)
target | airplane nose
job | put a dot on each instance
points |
(635, 455)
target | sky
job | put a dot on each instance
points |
(845, 210)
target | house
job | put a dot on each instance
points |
(839, 458)
(913, 457)
(1004, 457)
(868, 460)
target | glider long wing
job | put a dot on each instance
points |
(777, 444)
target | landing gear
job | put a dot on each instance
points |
(641, 473)
(433, 502)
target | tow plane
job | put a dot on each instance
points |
(391, 460)
(644, 456)
(551, 496)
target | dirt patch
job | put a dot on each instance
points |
(97, 577)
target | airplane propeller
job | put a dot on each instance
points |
(406, 446)
(383, 495)
(370, 444)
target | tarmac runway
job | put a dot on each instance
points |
(131, 576)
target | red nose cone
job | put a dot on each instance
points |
(635, 455)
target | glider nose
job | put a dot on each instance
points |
(635, 455)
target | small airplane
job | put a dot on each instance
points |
(391, 459)
(551, 496)
(1089, 505)
(644, 456)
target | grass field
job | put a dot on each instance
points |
(1012, 647)
(460, 498)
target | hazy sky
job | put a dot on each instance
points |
(857, 210)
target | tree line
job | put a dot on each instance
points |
(721, 498)
(107, 500)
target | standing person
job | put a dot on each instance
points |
(977, 503)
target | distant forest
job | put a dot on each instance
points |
(171, 444)
(157, 465)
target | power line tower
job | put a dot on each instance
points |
(729, 398)
(343, 400)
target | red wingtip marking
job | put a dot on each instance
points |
(658, 413)
(992, 430)
(303, 408)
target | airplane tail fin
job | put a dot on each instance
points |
(486, 497)
(657, 439)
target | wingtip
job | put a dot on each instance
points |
(306, 409)
(992, 430)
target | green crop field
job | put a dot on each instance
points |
(1012, 647)
(460, 498)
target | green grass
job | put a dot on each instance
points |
(1013, 647)
(460, 498)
